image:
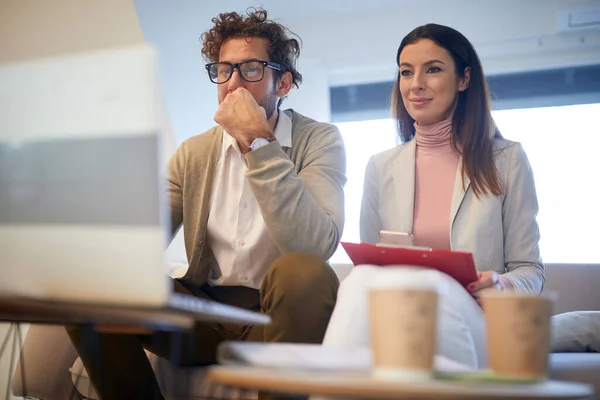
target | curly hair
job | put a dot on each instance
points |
(282, 49)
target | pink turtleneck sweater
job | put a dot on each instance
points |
(435, 173)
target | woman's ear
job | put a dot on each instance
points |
(465, 80)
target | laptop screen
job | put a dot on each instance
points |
(100, 180)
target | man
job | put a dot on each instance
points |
(261, 200)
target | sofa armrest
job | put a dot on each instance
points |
(46, 357)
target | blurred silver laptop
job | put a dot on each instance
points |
(83, 213)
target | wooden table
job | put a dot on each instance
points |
(361, 385)
(23, 310)
(118, 318)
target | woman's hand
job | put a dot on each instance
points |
(489, 280)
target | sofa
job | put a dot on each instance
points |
(51, 367)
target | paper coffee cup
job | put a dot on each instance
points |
(403, 307)
(518, 333)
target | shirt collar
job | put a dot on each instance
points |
(283, 130)
(283, 134)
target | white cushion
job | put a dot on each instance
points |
(576, 332)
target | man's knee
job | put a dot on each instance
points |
(299, 293)
(299, 274)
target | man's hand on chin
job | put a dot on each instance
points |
(242, 118)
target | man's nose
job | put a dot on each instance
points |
(235, 81)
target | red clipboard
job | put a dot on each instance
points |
(459, 265)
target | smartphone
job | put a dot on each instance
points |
(390, 238)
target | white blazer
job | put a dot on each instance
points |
(500, 231)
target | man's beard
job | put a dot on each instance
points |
(270, 104)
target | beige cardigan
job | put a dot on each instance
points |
(300, 190)
(500, 231)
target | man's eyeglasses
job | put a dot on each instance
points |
(250, 71)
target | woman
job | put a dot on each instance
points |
(454, 183)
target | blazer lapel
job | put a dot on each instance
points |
(458, 195)
(404, 182)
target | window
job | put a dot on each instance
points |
(362, 139)
(563, 146)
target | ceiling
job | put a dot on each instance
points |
(294, 9)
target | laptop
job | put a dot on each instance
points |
(83, 210)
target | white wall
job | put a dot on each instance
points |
(350, 42)
(509, 35)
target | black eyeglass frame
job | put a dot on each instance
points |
(270, 64)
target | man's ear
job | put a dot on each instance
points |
(284, 85)
(465, 80)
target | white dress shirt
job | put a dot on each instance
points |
(237, 234)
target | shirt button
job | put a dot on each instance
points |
(244, 278)
(245, 205)
(242, 243)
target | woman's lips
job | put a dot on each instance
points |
(419, 101)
